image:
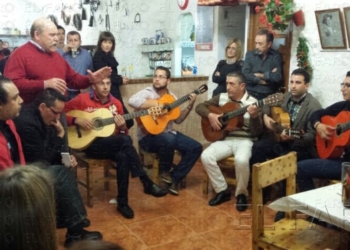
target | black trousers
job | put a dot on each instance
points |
(118, 148)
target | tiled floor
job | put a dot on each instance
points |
(171, 222)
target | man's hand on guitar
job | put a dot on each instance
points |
(285, 136)
(59, 128)
(84, 123)
(192, 97)
(268, 121)
(253, 111)
(325, 131)
(120, 122)
(214, 121)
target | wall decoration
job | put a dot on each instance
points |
(347, 22)
(330, 29)
(204, 28)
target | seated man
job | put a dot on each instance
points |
(325, 168)
(165, 143)
(117, 147)
(32, 130)
(299, 104)
(238, 142)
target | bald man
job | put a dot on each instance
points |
(37, 65)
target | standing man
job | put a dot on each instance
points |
(326, 168)
(263, 67)
(61, 36)
(78, 58)
(68, 199)
(299, 104)
(238, 142)
(117, 147)
(36, 65)
(165, 143)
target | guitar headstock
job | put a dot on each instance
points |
(203, 88)
(273, 99)
(156, 110)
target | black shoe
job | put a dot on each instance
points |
(126, 211)
(85, 222)
(174, 189)
(155, 190)
(279, 216)
(166, 177)
(85, 235)
(241, 203)
(220, 198)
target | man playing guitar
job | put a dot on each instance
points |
(326, 168)
(165, 143)
(117, 147)
(237, 142)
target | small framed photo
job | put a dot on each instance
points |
(347, 22)
(331, 29)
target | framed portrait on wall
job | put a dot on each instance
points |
(331, 29)
(347, 22)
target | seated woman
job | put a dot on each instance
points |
(27, 209)
(233, 62)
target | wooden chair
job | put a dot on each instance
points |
(288, 233)
(151, 161)
(89, 166)
(226, 164)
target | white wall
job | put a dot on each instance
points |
(329, 66)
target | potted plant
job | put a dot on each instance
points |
(278, 13)
(303, 55)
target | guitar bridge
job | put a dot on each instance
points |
(155, 119)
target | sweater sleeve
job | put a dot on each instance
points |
(221, 79)
(75, 80)
(202, 108)
(332, 110)
(73, 104)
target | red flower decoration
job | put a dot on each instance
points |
(257, 9)
(277, 2)
(269, 25)
(263, 19)
(278, 18)
(266, 2)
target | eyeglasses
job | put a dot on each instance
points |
(345, 85)
(231, 48)
(54, 111)
(160, 77)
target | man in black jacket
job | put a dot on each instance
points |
(43, 138)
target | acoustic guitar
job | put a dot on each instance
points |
(171, 111)
(334, 147)
(282, 122)
(232, 117)
(103, 125)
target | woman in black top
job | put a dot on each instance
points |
(233, 62)
(104, 56)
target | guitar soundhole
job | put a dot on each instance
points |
(98, 124)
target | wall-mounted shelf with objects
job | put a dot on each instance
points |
(158, 55)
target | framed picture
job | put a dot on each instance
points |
(347, 22)
(331, 29)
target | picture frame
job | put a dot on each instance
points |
(347, 22)
(331, 29)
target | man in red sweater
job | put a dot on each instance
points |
(37, 65)
(117, 147)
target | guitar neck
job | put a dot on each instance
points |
(241, 111)
(182, 100)
(130, 116)
(344, 127)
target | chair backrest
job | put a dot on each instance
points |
(268, 173)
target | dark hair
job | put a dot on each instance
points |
(167, 71)
(303, 73)
(1, 41)
(3, 92)
(267, 33)
(348, 74)
(239, 75)
(59, 27)
(5, 52)
(106, 36)
(325, 18)
(49, 96)
(72, 33)
(27, 209)
(95, 245)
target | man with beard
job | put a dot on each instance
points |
(37, 65)
(165, 143)
(263, 67)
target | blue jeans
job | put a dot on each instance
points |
(164, 146)
(70, 209)
(317, 168)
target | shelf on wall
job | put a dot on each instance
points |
(12, 35)
(157, 47)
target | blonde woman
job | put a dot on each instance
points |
(233, 63)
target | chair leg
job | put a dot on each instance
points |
(205, 183)
(90, 186)
(155, 170)
(106, 175)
